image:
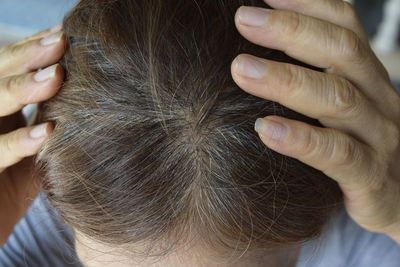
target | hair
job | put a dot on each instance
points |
(154, 142)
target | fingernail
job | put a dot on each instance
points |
(39, 131)
(273, 129)
(51, 39)
(251, 67)
(56, 28)
(253, 16)
(45, 74)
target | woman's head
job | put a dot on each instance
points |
(154, 143)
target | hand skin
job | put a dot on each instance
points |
(353, 99)
(19, 86)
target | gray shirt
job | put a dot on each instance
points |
(344, 243)
(40, 239)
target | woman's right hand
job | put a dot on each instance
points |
(22, 84)
(359, 145)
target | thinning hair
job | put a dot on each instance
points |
(154, 142)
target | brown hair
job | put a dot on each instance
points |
(154, 142)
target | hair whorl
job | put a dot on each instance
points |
(154, 142)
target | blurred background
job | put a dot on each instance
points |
(20, 18)
(381, 18)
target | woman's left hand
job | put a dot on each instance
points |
(354, 99)
(27, 76)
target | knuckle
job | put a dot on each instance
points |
(16, 50)
(392, 134)
(12, 84)
(352, 48)
(393, 130)
(333, 148)
(295, 25)
(343, 98)
(293, 79)
(344, 152)
(10, 144)
(5, 48)
(350, 12)
(7, 145)
(311, 144)
(13, 88)
(394, 102)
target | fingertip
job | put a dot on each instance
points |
(45, 74)
(239, 69)
(43, 85)
(237, 17)
(59, 72)
(52, 38)
(48, 51)
(55, 76)
(236, 63)
(49, 128)
(55, 83)
(234, 66)
(273, 128)
(56, 28)
(37, 136)
(41, 131)
(22, 143)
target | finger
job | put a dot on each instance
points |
(41, 34)
(338, 155)
(32, 55)
(18, 91)
(337, 12)
(316, 42)
(333, 100)
(22, 143)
